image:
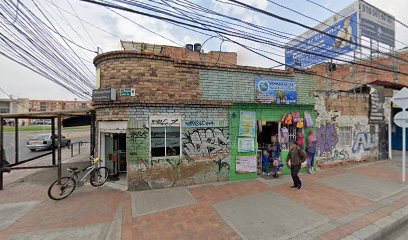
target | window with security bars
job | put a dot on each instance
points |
(345, 136)
(165, 141)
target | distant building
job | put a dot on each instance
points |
(19, 105)
(57, 105)
(23, 105)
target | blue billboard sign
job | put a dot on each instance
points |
(324, 46)
(276, 91)
(376, 24)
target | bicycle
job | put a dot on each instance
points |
(64, 186)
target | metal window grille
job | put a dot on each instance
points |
(345, 136)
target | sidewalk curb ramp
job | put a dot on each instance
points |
(382, 228)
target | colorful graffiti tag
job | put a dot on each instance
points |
(327, 138)
(203, 142)
(363, 141)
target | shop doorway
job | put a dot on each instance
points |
(264, 139)
(268, 130)
(115, 153)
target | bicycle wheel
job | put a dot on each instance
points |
(61, 188)
(99, 176)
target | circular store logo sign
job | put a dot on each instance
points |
(263, 86)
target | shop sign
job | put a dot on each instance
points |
(377, 24)
(104, 94)
(246, 164)
(127, 92)
(247, 124)
(165, 121)
(246, 144)
(376, 105)
(276, 91)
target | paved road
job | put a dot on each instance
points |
(25, 153)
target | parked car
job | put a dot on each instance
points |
(44, 142)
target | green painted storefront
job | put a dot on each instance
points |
(265, 112)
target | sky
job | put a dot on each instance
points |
(18, 81)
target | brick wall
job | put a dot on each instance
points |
(237, 86)
(362, 75)
(348, 104)
(162, 80)
(213, 57)
(343, 131)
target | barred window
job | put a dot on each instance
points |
(345, 136)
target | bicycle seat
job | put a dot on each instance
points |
(72, 169)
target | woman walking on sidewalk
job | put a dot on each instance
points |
(311, 150)
(295, 159)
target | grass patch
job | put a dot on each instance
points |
(40, 128)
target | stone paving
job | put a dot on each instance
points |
(332, 205)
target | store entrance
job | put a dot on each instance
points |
(115, 153)
(264, 139)
(268, 130)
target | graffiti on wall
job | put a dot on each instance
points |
(137, 144)
(200, 123)
(327, 138)
(205, 142)
(340, 155)
(222, 161)
(164, 120)
(364, 142)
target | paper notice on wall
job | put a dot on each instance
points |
(246, 144)
(246, 164)
(247, 124)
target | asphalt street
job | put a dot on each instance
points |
(25, 153)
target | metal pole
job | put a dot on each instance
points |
(92, 132)
(53, 140)
(59, 145)
(403, 153)
(390, 136)
(16, 140)
(1, 153)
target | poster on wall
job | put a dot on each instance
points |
(276, 91)
(376, 105)
(246, 145)
(247, 124)
(246, 164)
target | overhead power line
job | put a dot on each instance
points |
(31, 43)
(194, 26)
(220, 30)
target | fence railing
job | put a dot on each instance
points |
(79, 145)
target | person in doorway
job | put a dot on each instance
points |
(296, 157)
(275, 153)
(311, 150)
(265, 162)
(300, 139)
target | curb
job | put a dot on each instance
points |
(383, 227)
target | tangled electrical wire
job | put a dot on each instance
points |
(32, 40)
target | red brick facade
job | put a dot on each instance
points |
(363, 75)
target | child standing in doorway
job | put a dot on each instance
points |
(265, 162)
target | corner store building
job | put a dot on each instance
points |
(182, 125)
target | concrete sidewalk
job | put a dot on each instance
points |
(361, 201)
